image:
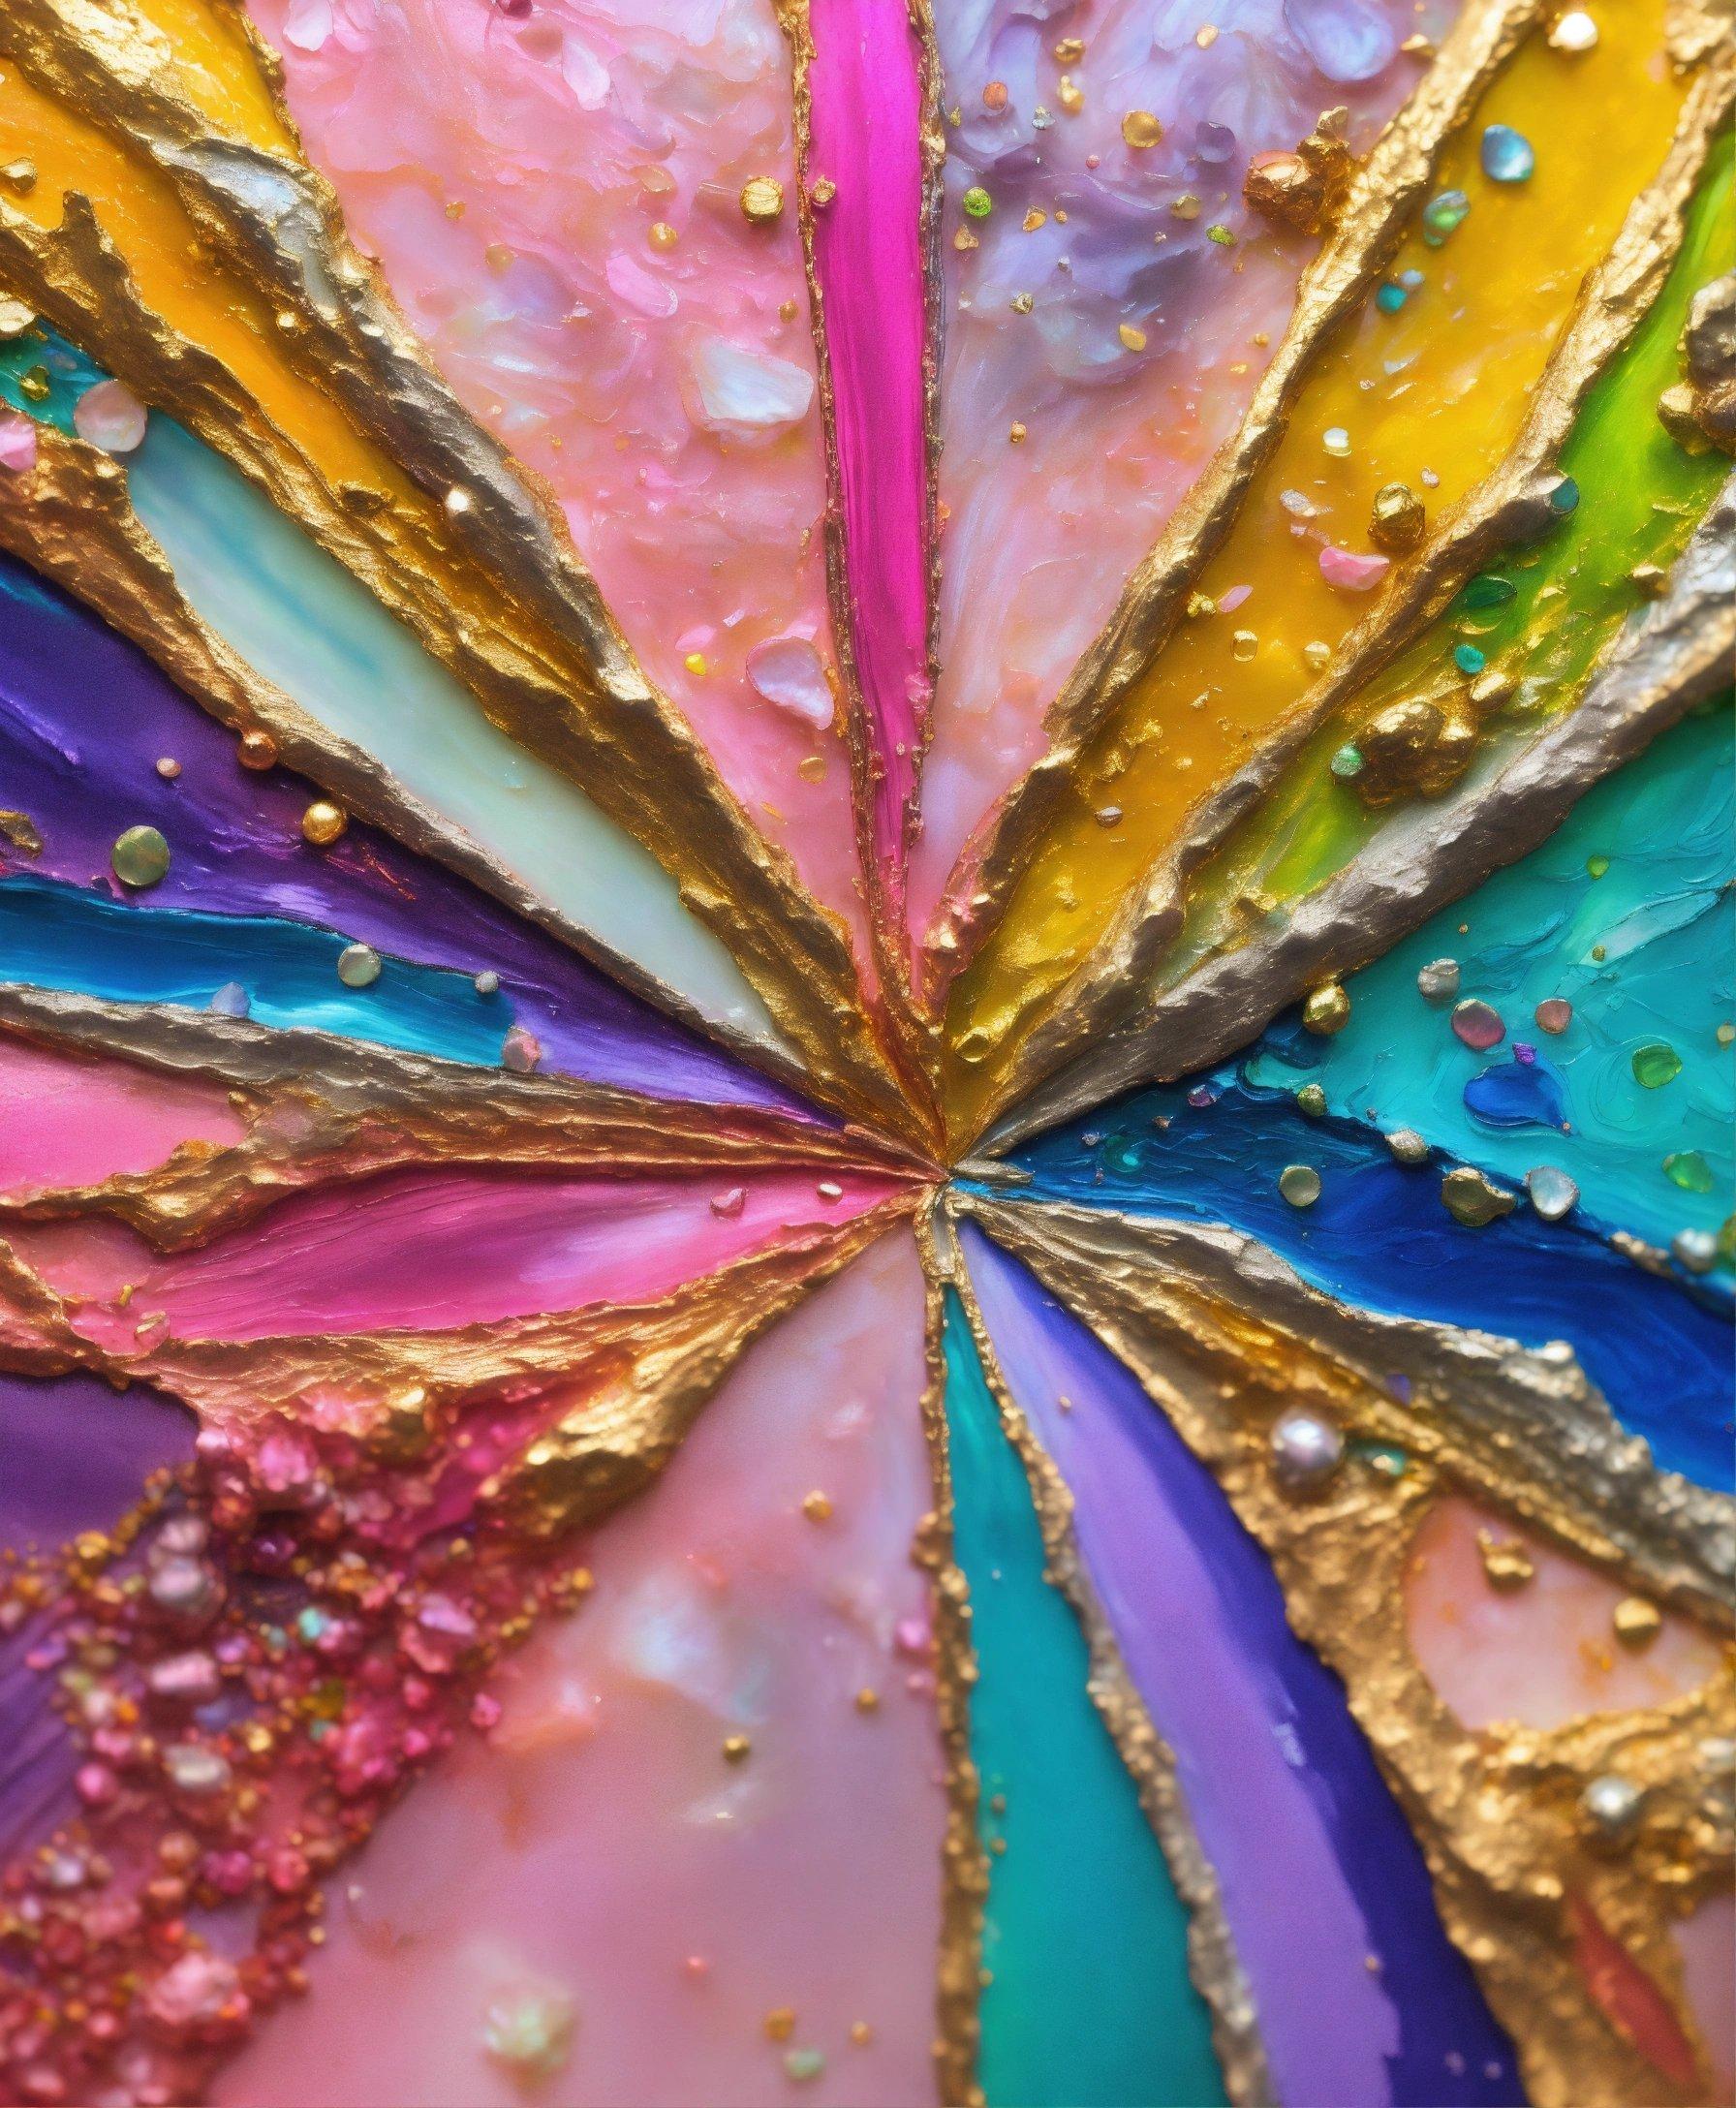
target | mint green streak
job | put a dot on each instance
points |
(1664, 915)
(1641, 496)
(1089, 2004)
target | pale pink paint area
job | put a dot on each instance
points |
(597, 1849)
(1706, 1942)
(867, 139)
(507, 165)
(1542, 1653)
(65, 1121)
(431, 1250)
(1038, 536)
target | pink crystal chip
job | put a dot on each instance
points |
(18, 442)
(1478, 1024)
(1353, 571)
(111, 416)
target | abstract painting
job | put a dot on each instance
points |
(867, 1053)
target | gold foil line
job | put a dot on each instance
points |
(320, 1110)
(1430, 855)
(1213, 1963)
(1222, 1337)
(1510, 506)
(549, 666)
(965, 1870)
(240, 1379)
(1381, 196)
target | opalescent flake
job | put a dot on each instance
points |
(1444, 213)
(1553, 1193)
(1507, 156)
(1299, 1184)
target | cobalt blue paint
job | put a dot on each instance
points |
(1659, 1349)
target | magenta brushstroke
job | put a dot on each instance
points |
(867, 139)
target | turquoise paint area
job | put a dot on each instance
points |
(1089, 2003)
(1663, 915)
(58, 937)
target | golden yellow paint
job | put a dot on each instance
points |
(218, 69)
(1442, 387)
(175, 274)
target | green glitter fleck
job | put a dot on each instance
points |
(1596, 865)
(977, 203)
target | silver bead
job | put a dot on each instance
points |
(359, 966)
(1306, 1450)
(1611, 1805)
(1439, 981)
(1696, 1250)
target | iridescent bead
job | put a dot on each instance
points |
(1306, 1450)
(1553, 1193)
(1507, 156)
(1444, 213)
(1611, 1805)
(1439, 981)
(1299, 1184)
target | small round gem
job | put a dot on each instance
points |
(1611, 1805)
(1478, 1024)
(1439, 981)
(1553, 1193)
(232, 1000)
(1140, 130)
(1443, 215)
(1694, 1250)
(1507, 156)
(1655, 1064)
(1299, 1184)
(1397, 522)
(977, 203)
(762, 200)
(661, 237)
(257, 749)
(1554, 1014)
(1306, 1450)
(1327, 1010)
(1347, 763)
(1564, 497)
(1311, 1099)
(324, 823)
(1407, 1146)
(110, 416)
(1687, 1170)
(359, 966)
(487, 982)
(1469, 659)
(140, 858)
(1576, 31)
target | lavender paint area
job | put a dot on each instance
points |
(1318, 1867)
(84, 720)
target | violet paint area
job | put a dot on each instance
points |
(84, 718)
(866, 129)
(75, 1454)
(1317, 1866)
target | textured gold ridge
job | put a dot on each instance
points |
(547, 663)
(1224, 1337)
(1381, 196)
(318, 1108)
(1677, 655)
(964, 1875)
(1510, 506)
